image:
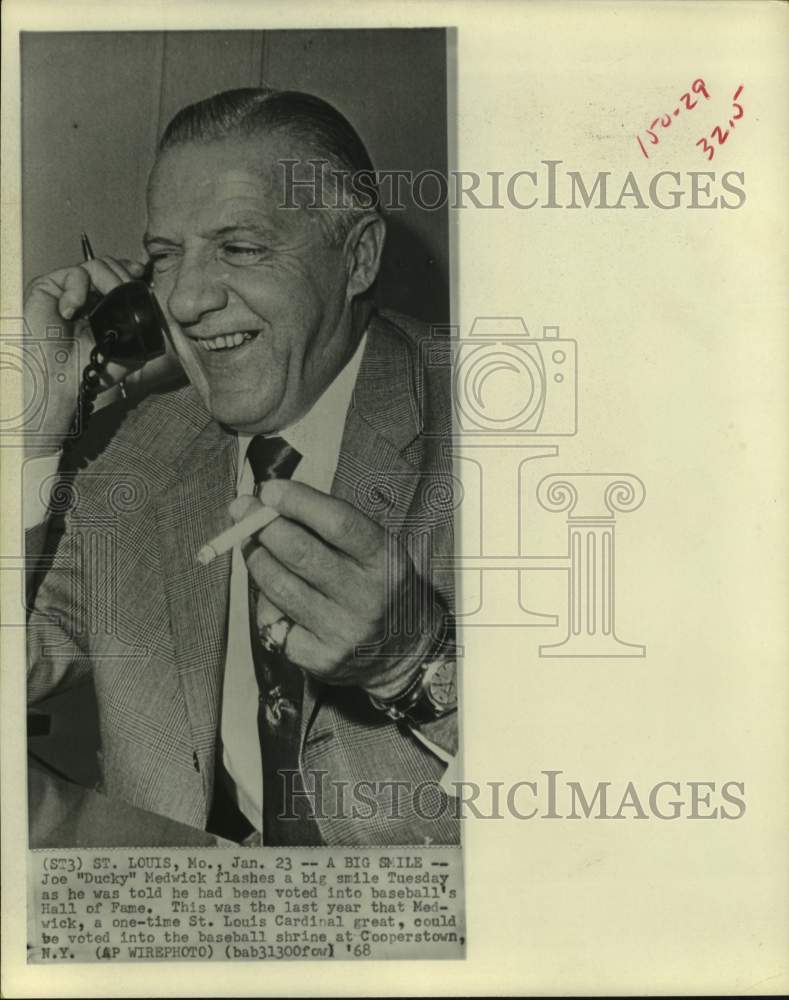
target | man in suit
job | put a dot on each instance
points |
(299, 689)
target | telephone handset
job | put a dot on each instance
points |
(128, 327)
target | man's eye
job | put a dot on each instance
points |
(243, 253)
(161, 259)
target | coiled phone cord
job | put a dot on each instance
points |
(90, 386)
(91, 374)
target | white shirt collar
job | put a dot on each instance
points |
(317, 436)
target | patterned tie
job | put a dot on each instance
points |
(281, 690)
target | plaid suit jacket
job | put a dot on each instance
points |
(122, 598)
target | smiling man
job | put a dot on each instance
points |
(301, 689)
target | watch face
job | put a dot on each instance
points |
(442, 686)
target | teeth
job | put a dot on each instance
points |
(225, 340)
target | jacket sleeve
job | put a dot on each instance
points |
(56, 624)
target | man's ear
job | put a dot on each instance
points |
(364, 247)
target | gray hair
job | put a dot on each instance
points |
(324, 133)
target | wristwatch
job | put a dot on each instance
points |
(431, 695)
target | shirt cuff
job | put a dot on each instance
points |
(35, 495)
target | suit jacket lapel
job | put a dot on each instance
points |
(190, 512)
(383, 420)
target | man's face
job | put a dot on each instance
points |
(255, 296)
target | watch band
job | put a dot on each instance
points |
(415, 704)
(399, 708)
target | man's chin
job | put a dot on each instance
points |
(243, 421)
(245, 412)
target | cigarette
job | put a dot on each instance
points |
(224, 542)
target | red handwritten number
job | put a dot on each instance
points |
(718, 134)
(706, 148)
(700, 87)
(736, 105)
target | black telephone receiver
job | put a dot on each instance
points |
(128, 324)
(129, 329)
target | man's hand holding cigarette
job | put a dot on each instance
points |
(343, 581)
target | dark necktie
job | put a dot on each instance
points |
(287, 811)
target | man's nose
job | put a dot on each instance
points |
(195, 293)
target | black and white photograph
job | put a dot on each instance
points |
(241, 479)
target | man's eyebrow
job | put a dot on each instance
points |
(245, 225)
(241, 225)
(149, 238)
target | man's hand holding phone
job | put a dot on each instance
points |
(61, 300)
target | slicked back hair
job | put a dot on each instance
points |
(321, 134)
